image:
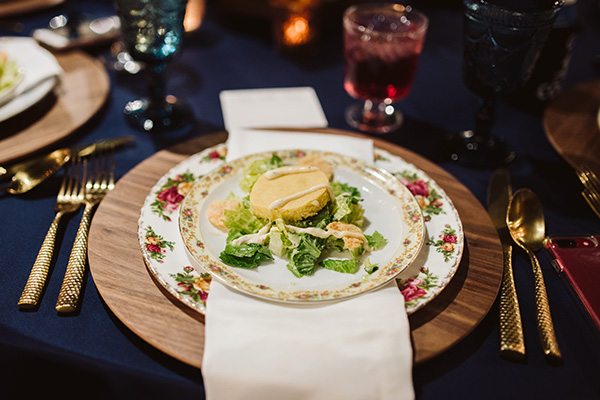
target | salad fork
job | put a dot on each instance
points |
(68, 200)
(99, 182)
(591, 184)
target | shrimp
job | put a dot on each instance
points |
(353, 236)
(216, 212)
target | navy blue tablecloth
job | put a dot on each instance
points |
(91, 354)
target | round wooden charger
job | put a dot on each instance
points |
(11, 8)
(81, 92)
(141, 303)
(571, 125)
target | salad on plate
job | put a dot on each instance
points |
(301, 225)
(296, 212)
(11, 74)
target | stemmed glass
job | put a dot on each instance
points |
(502, 45)
(152, 32)
(382, 44)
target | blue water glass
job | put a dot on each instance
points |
(153, 32)
(501, 45)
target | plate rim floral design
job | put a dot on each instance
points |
(418, 283)
(198, 163)
(404, 254)
(212, 157)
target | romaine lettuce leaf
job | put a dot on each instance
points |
(248, 255)
(256, 168)
(304, 257)
(242, 220)
(319, 220)
(370, 268)
(344, 266)
(347, 206)
(376, 240)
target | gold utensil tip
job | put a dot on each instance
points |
(100, 180)
(591, 184)
(512, 341)
(525, 220)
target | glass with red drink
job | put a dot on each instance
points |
(382, 44)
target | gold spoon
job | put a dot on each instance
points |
(525, 220)
(28, 174)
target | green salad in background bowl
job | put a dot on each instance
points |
(11, 75)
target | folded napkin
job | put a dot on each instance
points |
(357, 348)
(242, 142)
(297, 107)
(39, 64)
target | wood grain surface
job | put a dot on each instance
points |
(81, 92)
(9, 8)
(571, 125)
(132, 294)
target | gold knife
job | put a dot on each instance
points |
(25, 175)
(512, 342)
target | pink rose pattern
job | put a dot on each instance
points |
(192, 284)
(171, 194)
(216, 155)
(445, 243)
(428, 198)
(156, 245)
(431, 203)
(414, 288)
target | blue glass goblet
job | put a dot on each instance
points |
(153, 32)
(502, 44)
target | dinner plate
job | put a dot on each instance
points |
(31, 96)
(167, 260)
(389, 207)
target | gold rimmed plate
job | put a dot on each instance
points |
(170, 264)
(389, 206)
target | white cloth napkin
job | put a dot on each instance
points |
(242, 142)
(354, 349)
(297, 107)
(39, 64)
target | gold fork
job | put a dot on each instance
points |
(68, 201)
(99, 182)
(591, 184)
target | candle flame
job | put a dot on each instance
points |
(296, 31)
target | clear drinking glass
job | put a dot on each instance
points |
(382, 45)
(153, 32)
(501, 46)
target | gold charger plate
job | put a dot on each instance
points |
(155, 315)
(80, 94)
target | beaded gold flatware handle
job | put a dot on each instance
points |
(70, 290)
(68, 200)
(543, 316)
(512, 341)
(39, 272)
(99, 183)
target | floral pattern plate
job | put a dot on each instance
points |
(401, 224)
(169, 262)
